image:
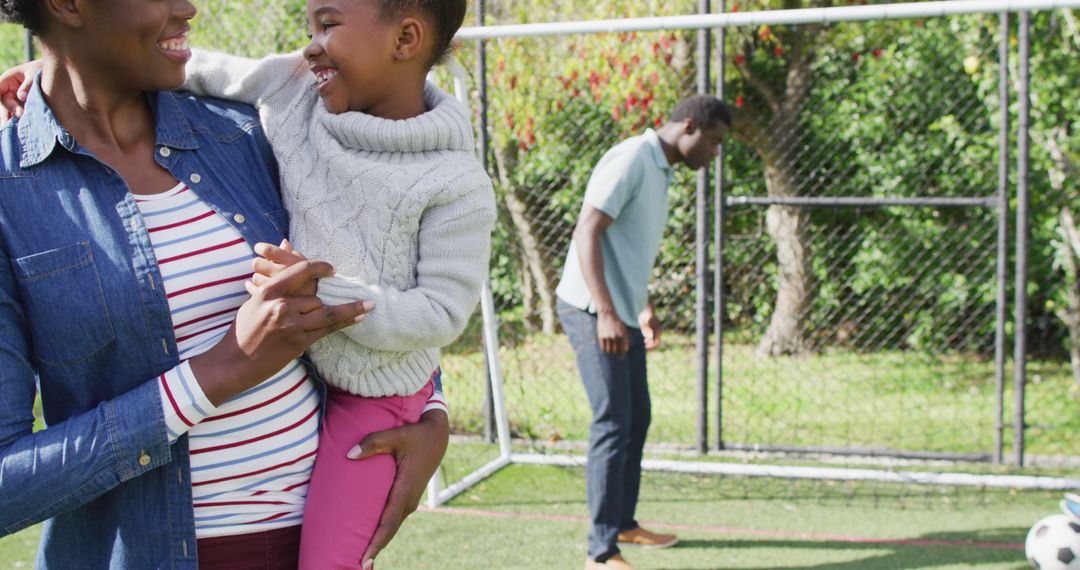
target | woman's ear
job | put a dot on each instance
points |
(410, 40)
(66, 12)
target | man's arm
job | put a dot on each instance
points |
(610, 330)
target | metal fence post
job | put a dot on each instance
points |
(702, 245)
(1003, 238)
(30, 54)
(481, 80)
(718, 244)
(1022, 235)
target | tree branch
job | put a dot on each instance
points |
(798, 81)
(1058, 155)
(747, 129)
(1074, 30)
(761, 87)
(1070, 232)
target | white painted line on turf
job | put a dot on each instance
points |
(823, 473)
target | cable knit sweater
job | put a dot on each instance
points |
(402, 209)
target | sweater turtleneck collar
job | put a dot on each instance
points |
(445, 127)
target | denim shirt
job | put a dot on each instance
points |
(84, 318)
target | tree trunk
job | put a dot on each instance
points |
(524, 208)
(789, 227)
(1070, 233)
(1071, 314)
(528, 293)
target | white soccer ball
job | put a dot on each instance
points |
(1054, 544)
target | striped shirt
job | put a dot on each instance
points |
(251, 457)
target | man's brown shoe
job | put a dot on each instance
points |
(616, 562)
(646, 539)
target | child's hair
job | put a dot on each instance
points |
(445, 15)
(26, 13)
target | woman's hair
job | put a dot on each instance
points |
(445, 15)
(26, 13)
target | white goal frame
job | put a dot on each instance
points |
(439, 492)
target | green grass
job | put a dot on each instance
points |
(767, 510)
(726, 523)
(17, 550)
(772, 515)
(899, 400)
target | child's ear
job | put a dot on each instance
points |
(410, 40)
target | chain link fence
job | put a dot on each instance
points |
(859, 259)
(851, 323)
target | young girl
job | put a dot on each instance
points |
(379, 177)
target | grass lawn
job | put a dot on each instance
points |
(898, 400)
(534, 517)
(726, 523)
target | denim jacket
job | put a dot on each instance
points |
(84, 318)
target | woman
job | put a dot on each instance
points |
(133, 321)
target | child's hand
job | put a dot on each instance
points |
(14, 87)
(273, 260)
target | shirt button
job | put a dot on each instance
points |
(144, 459)
(164, 151)
(195, 178)
(239, 218)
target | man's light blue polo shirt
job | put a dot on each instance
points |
(629, 184)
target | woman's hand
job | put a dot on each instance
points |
(418, 450)
(275, 325)
(14, 86)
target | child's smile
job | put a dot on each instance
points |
(324, 77)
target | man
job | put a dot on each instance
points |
(604, 309)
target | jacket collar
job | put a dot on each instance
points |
(40, 132)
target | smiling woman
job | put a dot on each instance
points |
(168, 382)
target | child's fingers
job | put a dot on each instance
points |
(8, 106)
(296, 279)
(24, 88)
(266, 267)
(278, 254)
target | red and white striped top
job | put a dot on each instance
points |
(251, 457)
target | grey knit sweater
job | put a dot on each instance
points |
(402, 209)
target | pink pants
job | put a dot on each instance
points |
(346, 498)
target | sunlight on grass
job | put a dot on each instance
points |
(897, 400)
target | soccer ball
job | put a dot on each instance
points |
(1054, 544)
